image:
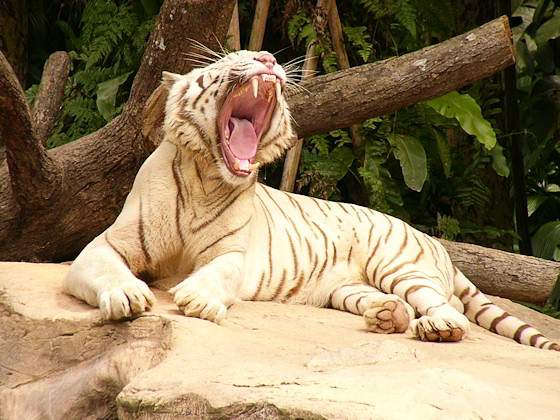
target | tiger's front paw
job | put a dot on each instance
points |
(386, 316)
(198, 303)
(434, 328)
(128, 298)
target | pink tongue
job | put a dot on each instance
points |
(242, 138)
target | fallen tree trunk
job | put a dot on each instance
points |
(500, 273)
(79, 189)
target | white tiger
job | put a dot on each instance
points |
(197, 210)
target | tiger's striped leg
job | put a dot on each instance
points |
(211, 289)
(439, 320)
(383, 313)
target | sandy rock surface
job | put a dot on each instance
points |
(58, 360)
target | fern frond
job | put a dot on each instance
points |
(405, 14)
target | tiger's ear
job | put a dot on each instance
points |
(169, 79)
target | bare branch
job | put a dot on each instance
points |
(381, 88)
(50, 95)
(33, 174)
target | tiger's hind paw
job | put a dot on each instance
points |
(432, 328)
(387, 316)
(125, 300)
(198, 303)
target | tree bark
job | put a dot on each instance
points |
(500, 273)
(14, 25)
(52, 219)
(48, 102)
(34, 175)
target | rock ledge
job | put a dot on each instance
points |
(266, 361)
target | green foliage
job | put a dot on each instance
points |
(465, 110)
(546, 241)
(326, 163)
(107, 96)
(410, 153)
(422, 160)
(300, 28)
(470, 189)
(537, 43)
(360, 40)
(105, 52)
(547, 309)
(383, 192)
(448, 227)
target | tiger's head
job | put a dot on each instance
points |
(233, 111)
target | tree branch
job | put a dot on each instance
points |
(381, 88)
(48, 103)
(33, 175)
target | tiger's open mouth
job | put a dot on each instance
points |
(244, 118)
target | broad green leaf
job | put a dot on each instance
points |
(525, 83)
(552, 188)
(465, 110)
(526, 14)
(412, 157)
(541, 9)
(499, 163)
(333, 165)
(546, 240)
(524, 60)
(341, 159)
(107, 95)
(534, 202)
(548, 30)
(444, 153)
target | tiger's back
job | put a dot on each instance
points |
(196, 210)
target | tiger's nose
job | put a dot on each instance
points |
(267, 59)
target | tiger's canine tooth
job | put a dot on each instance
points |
(255, 84)
(278, 90)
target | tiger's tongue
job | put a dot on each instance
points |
(242, 138)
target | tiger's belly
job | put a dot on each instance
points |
(292, 253)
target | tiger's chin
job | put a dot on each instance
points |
(243, 120)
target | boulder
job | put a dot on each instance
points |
(59, 360)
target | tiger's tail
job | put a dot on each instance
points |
(480, 310)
